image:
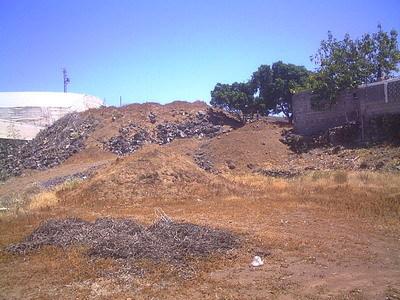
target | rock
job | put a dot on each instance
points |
(379, 165)
(309, 168)
(276, 173)
(152, 118)
(335, 150)
(230, 164)
(203, 162)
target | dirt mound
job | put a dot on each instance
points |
(146, 116)
(254, 145)
(50, 147)
(164, 240)
(154, 172)
(119, 130)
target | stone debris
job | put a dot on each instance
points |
(276, 173)
(204, 124)
(347, 134)
(230, 164)
(9, 147)
(164, 240)
(203, 162)
(152, 117)
(130, 138)
(48, 184)
(50, 147)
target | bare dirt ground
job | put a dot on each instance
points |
(329, 233)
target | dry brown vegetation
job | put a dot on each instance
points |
(326, 234)
(329, 233)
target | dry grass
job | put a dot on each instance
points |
(319, 224)
(372, 195)
(45, 199)
(353, 194)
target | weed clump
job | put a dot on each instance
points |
(340, 177)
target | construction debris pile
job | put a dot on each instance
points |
(50, 147)
(51, 183)
(203, 162)
(203, 124)
(276, 173)
(340, 135)
(164, 240)
(130, 139)
(9, 147)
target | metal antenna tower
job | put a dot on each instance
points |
(66, 79)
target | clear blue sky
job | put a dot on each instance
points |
(167, 50)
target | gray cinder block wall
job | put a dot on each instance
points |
(352, 105)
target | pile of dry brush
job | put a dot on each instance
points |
(165, 240)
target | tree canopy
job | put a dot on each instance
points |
(347, 63)
(269, 90)
(238, 96)
(277, 85)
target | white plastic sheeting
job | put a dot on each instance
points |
(24, 114)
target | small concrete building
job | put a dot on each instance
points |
(24, 114)
(358, 104)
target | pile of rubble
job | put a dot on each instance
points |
(50, 147)
(346, 134)
(276, 173)
(130, 139)
(297, 143)
(51, 183)
(203, 162)
(200, 127)
(164, 240)
(204, 124)
(9, 147)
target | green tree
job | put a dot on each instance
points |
(238, 96)
(270, 90)
(276, 86)
(347, 63)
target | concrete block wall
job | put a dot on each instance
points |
(352, 105)
(309, 121)
(377, 103)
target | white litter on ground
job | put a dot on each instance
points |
(257, 261)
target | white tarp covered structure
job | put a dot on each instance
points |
(24, 114)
